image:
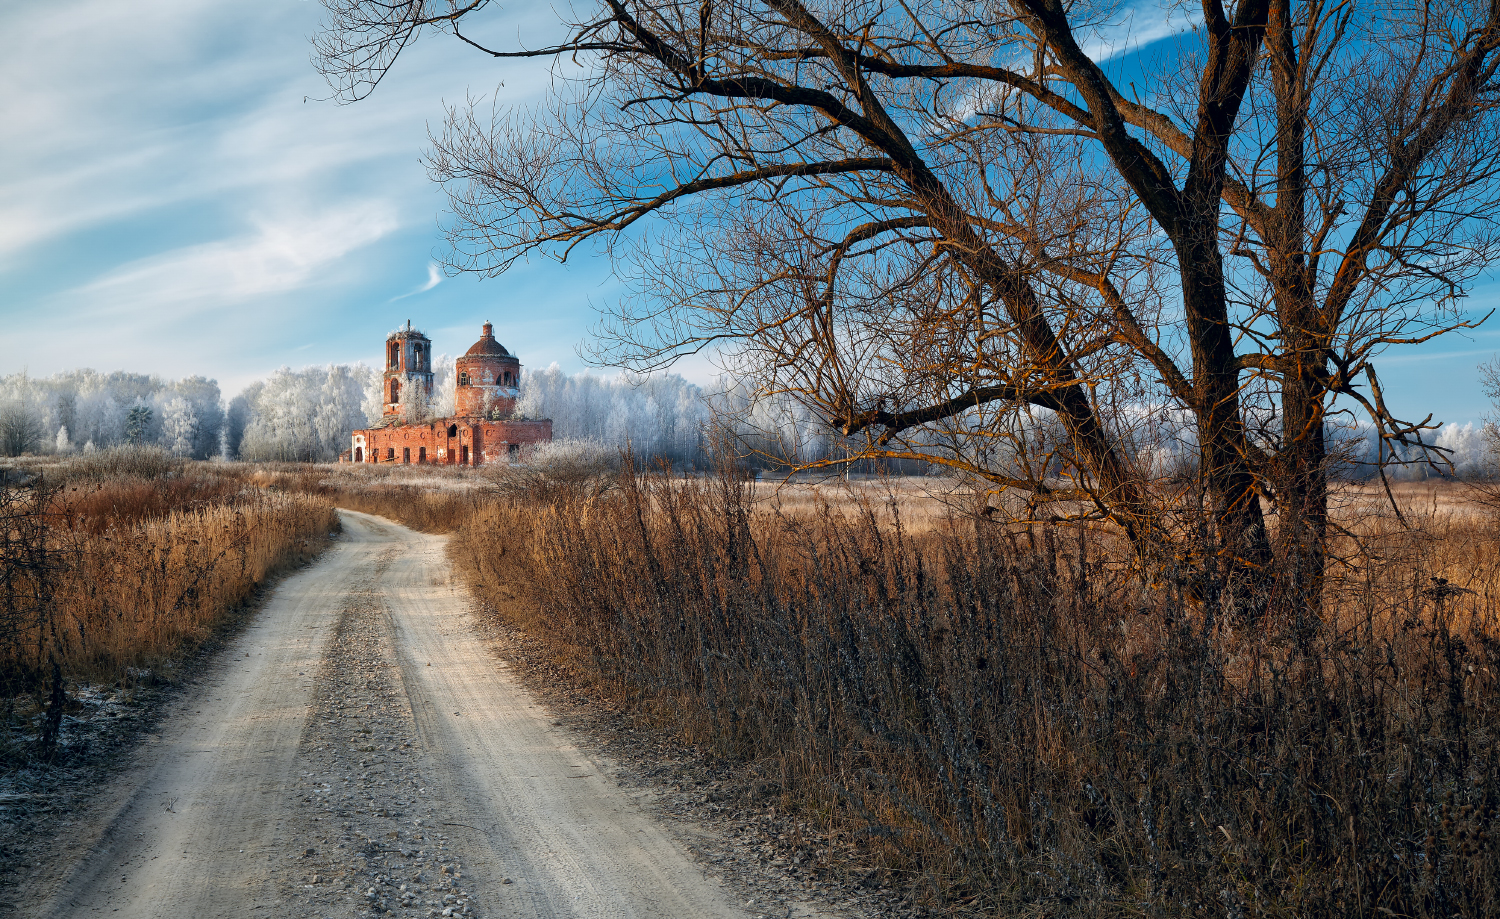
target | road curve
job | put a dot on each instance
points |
(225, 814)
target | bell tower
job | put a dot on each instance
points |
(408, 375)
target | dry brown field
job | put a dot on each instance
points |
(1008, 719)
(119, 564)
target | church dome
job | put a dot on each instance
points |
(487, 345)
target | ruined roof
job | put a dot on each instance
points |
(407, 332)
(486, 345)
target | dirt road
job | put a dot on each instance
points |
(361, 751)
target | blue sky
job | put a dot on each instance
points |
(175, 199)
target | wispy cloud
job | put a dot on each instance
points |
(278, 256)
(1126, 30)
(113, 112)
(175, 198)
(434, 278)
(1132, 28)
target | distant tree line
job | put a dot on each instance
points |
(87, 410)
(308, 415)
(302, 415)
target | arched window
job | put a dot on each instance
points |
(452, 430)
(395, 390)
(463, 378)
(359, 454)
(395, 356)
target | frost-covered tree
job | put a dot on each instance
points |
(100, 418)
(237, 418)
(374, 402)
(444, 386)
(771, 427)
(303, 414)
(416, 404)
(203, 398)
(96, 407)
(340, 407)
(179, 427)
(658, 415)
(21, 429)
(67, 410)
(64, 445)
(281, 425)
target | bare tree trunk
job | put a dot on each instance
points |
(1302, 479)
(1302, 500)
(1224, 461)
(52, 721)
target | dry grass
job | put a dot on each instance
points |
(118, 564)
(138, 592)
(426, 498)
(922, 504)
(1014, 727)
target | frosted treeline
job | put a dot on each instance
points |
(88, 410)
(1472, 451)
(308, 415)
(662, 415)
(304, 415)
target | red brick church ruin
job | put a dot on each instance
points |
(483, 428)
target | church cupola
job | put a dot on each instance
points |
(488, 378)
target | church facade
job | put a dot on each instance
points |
(483, 428)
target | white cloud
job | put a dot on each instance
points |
(1134, 27)
(279, 256)
(115, 113)
(434, 278)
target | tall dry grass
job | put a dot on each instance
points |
(138, 593)
(1017, 728)
(118, 564)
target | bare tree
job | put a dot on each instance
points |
(21, 429)
(943, 226)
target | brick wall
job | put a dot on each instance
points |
(449, 441)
